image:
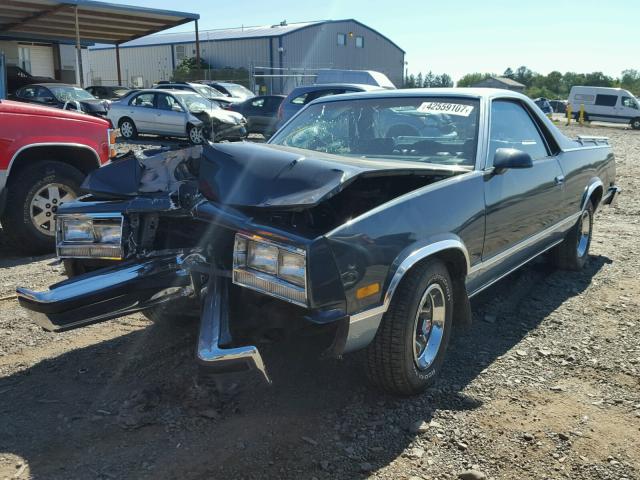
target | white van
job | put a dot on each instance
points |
(606, 105)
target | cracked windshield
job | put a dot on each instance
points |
(427, 129)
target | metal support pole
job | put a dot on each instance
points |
(118, 63)
(79, 74)
(197, 47)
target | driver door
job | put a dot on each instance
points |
(521, 204)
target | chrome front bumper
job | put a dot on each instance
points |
(131, 287)
(107, 293)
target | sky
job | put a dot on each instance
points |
(460, 36)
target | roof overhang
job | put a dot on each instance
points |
(99, 22)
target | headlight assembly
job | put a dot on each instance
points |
(89, 236)
(272, 268)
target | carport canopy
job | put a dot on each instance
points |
(85, 22)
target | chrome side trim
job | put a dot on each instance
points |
(500, 277)
(523, 244)
(51, 144)
(363, 327)
(589, 190)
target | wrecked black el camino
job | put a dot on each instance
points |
(373, 217)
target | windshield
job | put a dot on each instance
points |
(65, 94)
(427, 129)
(208, 92)
(197, 102)
(238, 90)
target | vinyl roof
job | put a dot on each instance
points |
(99, 22)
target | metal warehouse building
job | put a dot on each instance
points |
(277, 57)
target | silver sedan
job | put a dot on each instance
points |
(175, 113)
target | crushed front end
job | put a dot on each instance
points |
(239, 235)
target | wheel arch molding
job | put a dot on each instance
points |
(449, 248)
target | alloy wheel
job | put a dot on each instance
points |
(195, 135)
(45, 204)
(126, 129)
(584, 233)
(429, 326)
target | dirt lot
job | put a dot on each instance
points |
(545, 384)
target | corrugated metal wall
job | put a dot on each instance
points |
(151, 63)
(317, 47)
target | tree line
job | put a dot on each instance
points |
(553, 85)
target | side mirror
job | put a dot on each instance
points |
(506, 158)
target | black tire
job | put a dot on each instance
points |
(635, 123)
(128, 128)
(19, 217)
(391, 362)
(571, 254)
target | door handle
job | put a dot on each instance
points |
(559, 180)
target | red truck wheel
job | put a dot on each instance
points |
(34, 196)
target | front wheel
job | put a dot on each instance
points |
(635, 123)
(128, 129)
(409, 347)
(33, 199)
(573, 252)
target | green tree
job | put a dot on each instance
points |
(443, 81)
(524, 76)
(188, 69)
(429, 78)
(509, 73)
(630, 80)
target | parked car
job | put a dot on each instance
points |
(60, 95)
(544, 105)
(204, 90)
(261, 113)
(559, 106)
(177, 113)
(606, 105)
(301, 96)
(232, 90)
(335, 228)
(44, 157)
(18, 77)
(108, 92)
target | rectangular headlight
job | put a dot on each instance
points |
(263, 257)
(292, 267)
(89, 236)
(272, 268)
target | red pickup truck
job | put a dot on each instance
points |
(45, 153)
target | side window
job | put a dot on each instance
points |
(143, 100)
(27, 92)
(606, 100)
(342, 39)
(167, 102)
(513, 127)
(359, 42)
(259, 103)
(300, 99)
(323, 93)
(629, 103)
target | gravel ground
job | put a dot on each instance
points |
(544, 385)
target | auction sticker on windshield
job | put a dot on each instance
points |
(448, 108)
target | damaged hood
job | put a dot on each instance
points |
(245, 174)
